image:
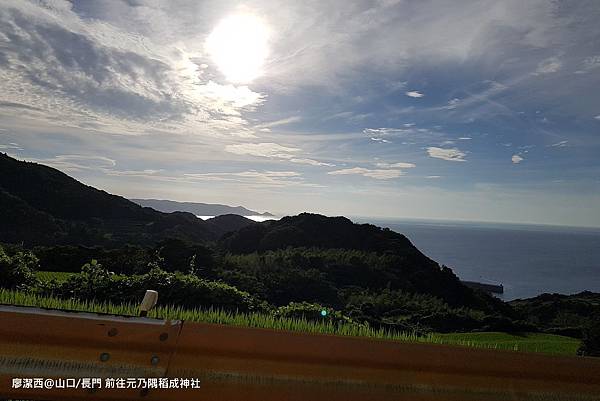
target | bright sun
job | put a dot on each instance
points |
(239, 47)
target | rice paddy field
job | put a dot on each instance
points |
(57, 276)
(527, 342)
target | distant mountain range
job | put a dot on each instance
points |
(198, 209)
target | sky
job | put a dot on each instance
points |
(479, 110)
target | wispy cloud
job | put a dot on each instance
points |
(73, 163)
(311, 162)
(560, 144)
(348, 116)
(398, 85)
(109, 167)
(255, 178)
(383, 131)
(265, 149)
(382, 140)
(589, 64)
(134, 173)
(274, 150)
(277, 123)
(548, 66)
(396, 165)
(409, 133)
(376, 174)
(452, 104)
(384, 171)
(11, 146)
(516, 159)
(450, 154)
(380, 134)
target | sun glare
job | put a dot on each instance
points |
(239, 47)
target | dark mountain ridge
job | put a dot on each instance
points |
(314, 230)
(226, 223)
(42, 205)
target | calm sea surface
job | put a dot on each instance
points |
(527, 260)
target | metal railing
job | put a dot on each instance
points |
(248, 364)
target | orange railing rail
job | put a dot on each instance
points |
(248, 364)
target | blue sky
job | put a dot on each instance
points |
(474, 110)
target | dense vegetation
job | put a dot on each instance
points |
(572, 315)
(568, 314)
(293, 267)
(17, 270)
(295, 282)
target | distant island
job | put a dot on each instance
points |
(199, 209)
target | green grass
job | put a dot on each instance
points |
(58, 276)
(531, 342)
(527, 342)
(259, 320)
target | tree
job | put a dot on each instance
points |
(18, 270)
(590, 345)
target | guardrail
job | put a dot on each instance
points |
(248, 364)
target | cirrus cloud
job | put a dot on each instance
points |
(396, 165)
(378, 174)
(311, 162)
(274, 151)
(560, 144)
(264, 149)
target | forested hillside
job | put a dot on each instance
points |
(89, 244)
(41, 205)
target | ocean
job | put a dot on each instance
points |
(527, 260)
(257, 218)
